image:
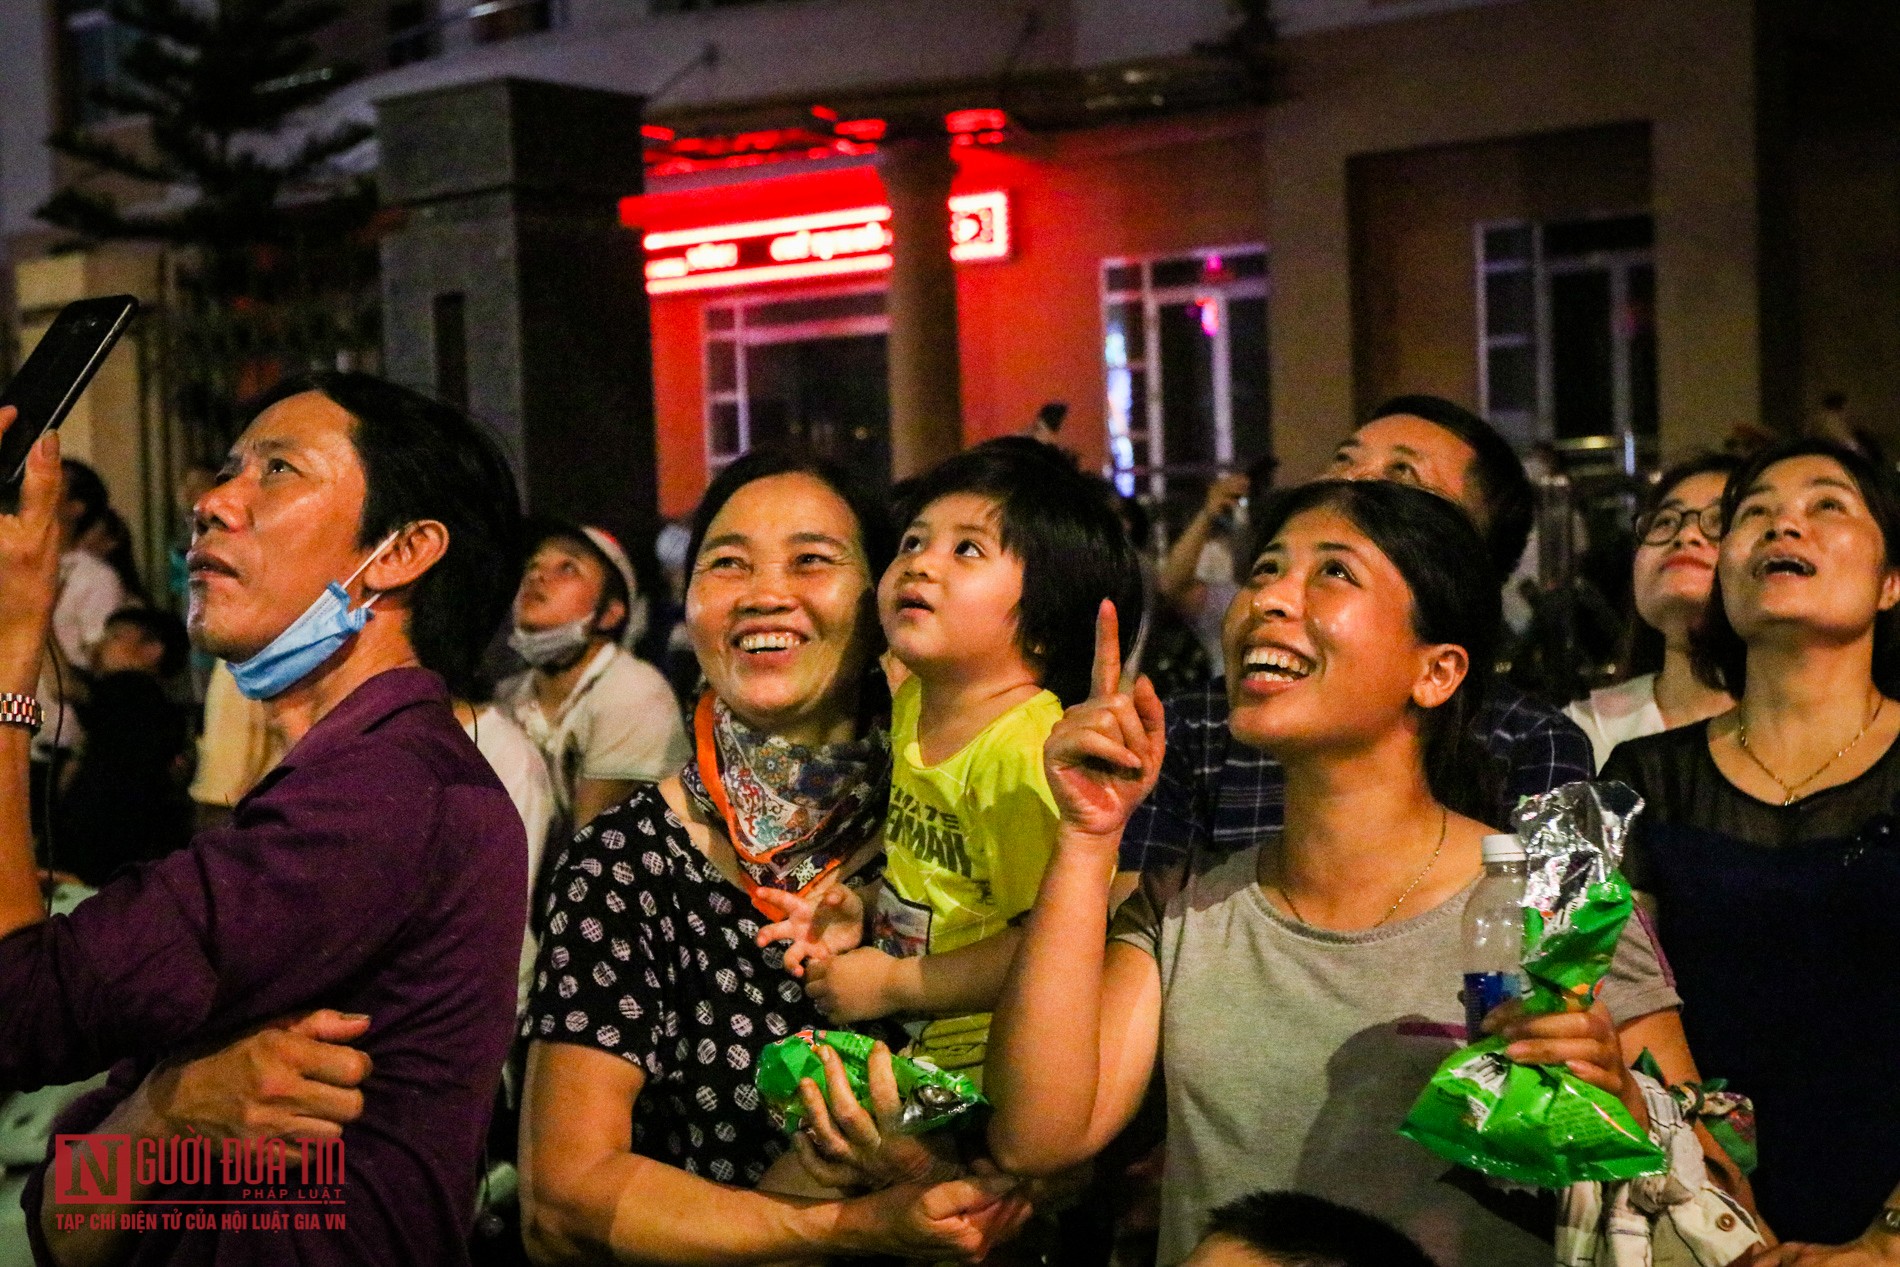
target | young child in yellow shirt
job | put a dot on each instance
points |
(990, 610)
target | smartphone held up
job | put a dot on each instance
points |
(54, 376)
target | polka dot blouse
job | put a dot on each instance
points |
(649, 955)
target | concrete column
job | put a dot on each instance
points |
(925, 373)
(511, 288)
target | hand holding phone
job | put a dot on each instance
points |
(49, 384)
(29, 563)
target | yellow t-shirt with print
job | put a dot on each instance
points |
(966, 842)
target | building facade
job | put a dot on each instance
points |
(889, 227)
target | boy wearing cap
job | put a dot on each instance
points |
(602, 718)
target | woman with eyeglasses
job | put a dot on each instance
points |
(1677, 534)
(1769, 848)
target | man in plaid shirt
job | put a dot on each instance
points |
(1216, 793)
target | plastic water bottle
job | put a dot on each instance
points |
(1494, 933)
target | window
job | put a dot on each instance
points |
(493, 21)
(808, 368)
(1184, 342)
(1567, 328)
(95, 47)
(413, 35)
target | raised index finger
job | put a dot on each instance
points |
(1107, 674)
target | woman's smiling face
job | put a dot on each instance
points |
(779, 606)
(1319, 645)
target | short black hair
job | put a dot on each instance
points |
(614, 586)
(1498, 474)
(423, 459)
(161, 627)
(1294, 1229)
(1136, 521)
(1072, 546)
(874, 521)
(84, 486)
(1718, 653)
(1723, 464)
(1427, 538)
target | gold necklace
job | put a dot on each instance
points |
(1444, 821)
(1791, 789)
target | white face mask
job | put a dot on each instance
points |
(549, 648)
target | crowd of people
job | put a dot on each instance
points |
(1168, 852)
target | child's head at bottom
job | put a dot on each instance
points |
(1007, 552)
(1293, 1229)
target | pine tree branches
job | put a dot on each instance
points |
(277, 260)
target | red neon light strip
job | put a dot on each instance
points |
(765, 228)
(995, 203)
(771, 273)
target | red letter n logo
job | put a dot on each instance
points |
(92, 1169)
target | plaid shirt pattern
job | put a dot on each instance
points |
(1216, 794)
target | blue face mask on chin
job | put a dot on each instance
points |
(309, 640)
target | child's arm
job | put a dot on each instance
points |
(868, 983)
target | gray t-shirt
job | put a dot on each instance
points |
(1291, 1054)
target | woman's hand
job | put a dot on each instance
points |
(963, 1218)
(860, 985)
(29, 562)
(295, 1079)
(1223, 495)
(1583, 1042)
(817, 929)
(1104, 756)
(1877, 1248)
(844, 1147)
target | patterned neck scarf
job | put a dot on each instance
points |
(794, 814)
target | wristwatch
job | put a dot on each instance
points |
(21, 710)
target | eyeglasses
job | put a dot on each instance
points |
(1661, 527)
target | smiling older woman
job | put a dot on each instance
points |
(642, 1133)
(1770, 849)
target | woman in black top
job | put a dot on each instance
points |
(1770, 851)
(643, 1137)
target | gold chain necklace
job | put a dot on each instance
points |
(1790, 790)
(1444, 821)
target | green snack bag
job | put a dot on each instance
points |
(1531, 1124)
(1542, 1125)
(931, 1097)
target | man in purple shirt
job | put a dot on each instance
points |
(379, 873)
